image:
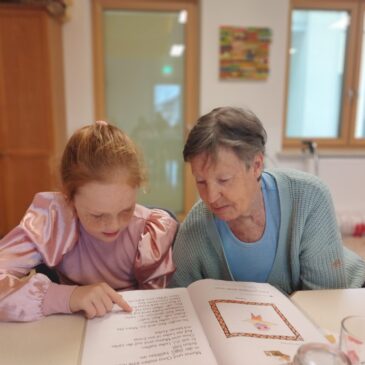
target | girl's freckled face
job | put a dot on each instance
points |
(105, 208)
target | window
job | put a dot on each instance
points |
(145, 57)
(326, 74)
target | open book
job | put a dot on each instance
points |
(210, 322)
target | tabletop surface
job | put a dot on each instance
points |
(57, 340)
(328, 307)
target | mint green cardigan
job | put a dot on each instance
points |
(309, 255)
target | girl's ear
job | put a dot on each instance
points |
(69, 201)
(65, 197)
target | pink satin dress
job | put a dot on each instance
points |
(139, 258)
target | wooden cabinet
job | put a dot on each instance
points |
(32, 108)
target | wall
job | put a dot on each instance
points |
(344, 175)
(79, 75)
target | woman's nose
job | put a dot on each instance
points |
(213, 193)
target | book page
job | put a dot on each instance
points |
(162, 329)
(250, 323)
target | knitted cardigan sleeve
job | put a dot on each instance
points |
(321, 253)
(326, 263)
(317, 257)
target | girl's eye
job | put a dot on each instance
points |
(126, 212)
(222, 181)
(200, 182)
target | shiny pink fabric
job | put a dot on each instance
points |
(140, 257)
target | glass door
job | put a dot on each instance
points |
(145, 87)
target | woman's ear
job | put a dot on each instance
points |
(258, 165)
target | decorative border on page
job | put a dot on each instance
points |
(256, 319)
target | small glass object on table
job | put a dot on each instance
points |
(320, 354)
(352, 339)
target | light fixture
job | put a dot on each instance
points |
(183, 16)
(177, 50)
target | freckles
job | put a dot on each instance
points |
(125, 218)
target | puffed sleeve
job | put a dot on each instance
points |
(47, 231)
(153, 264)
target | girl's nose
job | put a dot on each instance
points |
(113, 224)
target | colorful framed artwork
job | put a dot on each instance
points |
(244, 53)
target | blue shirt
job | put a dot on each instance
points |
(253, 261)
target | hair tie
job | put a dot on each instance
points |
(101, 122)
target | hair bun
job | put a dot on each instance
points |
(101, 122)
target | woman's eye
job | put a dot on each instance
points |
(97, 216)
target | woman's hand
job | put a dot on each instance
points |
(96, 300)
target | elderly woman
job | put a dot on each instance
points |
(276, 226)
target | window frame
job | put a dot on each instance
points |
(351, 79)
(191, 96)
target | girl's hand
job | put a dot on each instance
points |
(96, 300)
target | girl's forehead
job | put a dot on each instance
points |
(114, 175)
(105, 197)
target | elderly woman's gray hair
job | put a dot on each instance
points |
(234, 128)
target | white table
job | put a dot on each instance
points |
(57, 340)
(326, 308)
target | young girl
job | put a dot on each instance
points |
(93, 233)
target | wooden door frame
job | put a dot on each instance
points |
(191, 68)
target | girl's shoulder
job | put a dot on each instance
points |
(52, 207)
(153, 219)
(49, 214)
(157, 230)
(49, 225)
(47, 199)
(151, 213)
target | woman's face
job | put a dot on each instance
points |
(105, 209)
(227, 186)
